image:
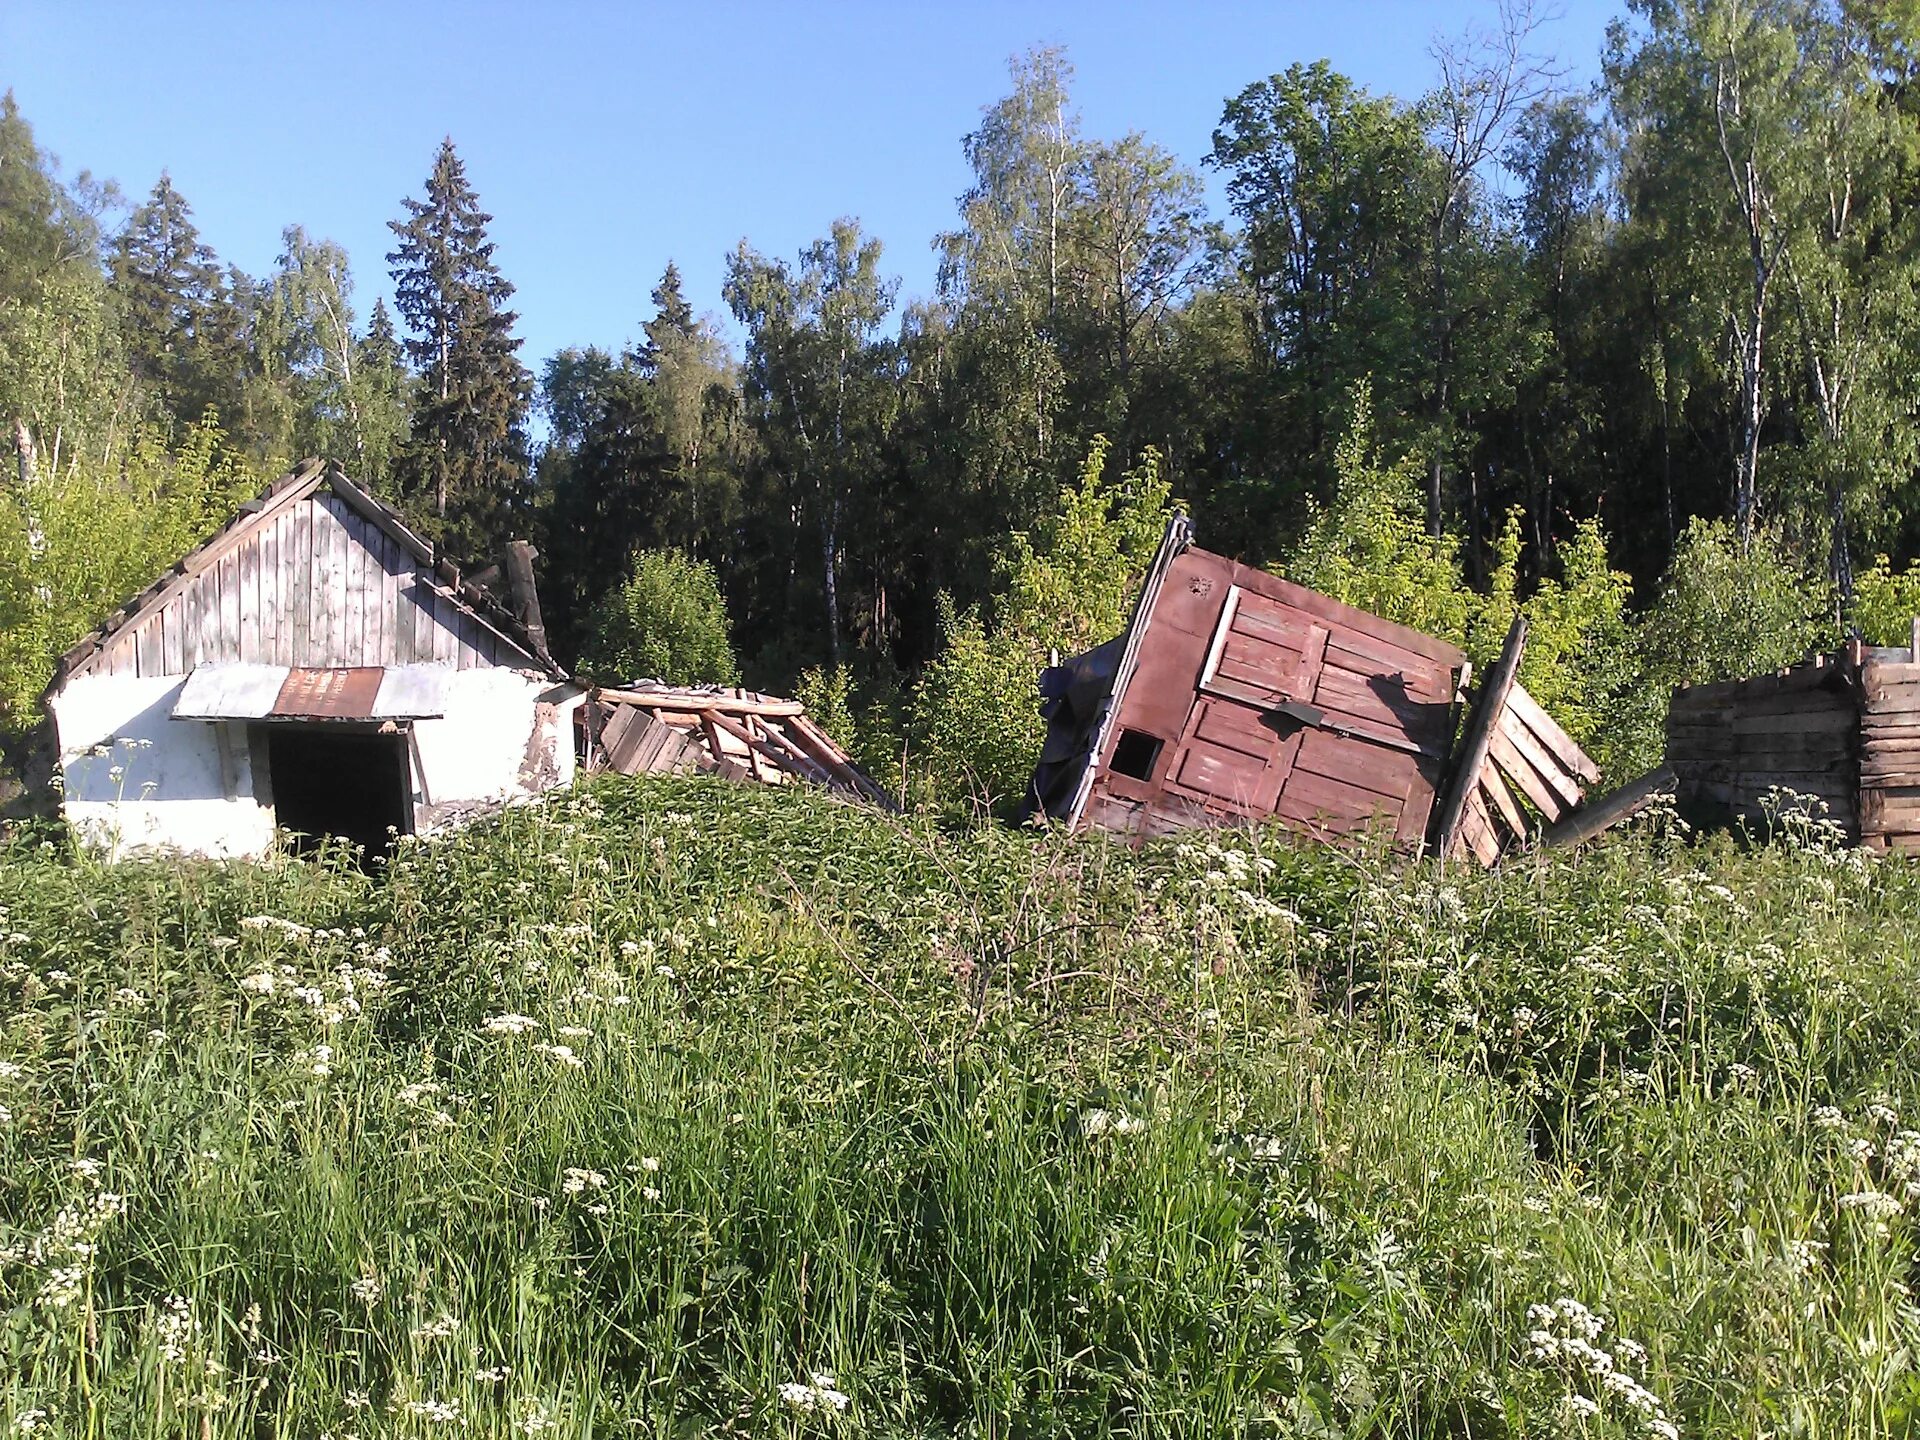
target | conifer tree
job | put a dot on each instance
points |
(180, 322)
(672, 322)
(464, 465)
(382, 379)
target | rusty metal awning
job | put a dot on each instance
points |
(280, 692)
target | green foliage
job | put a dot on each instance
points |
(464, 462)
(1724, 612)
(1580, 659)
(625, 1110)
(74, 548)
(1370, 546)
(862, 714)
(1885, 603)
(975, 729)
(667, 621)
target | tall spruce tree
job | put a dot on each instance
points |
(463, 468)
(180, 322)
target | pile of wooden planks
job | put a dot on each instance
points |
(1518, 773)
(739, 734)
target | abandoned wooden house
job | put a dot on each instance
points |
(313, 667)
(1837, 737)
(1235, 695)
(738, 734)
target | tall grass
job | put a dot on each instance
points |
(674, 1108)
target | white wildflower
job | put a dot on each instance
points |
(1872, 1204)
(441, 1327)
(576, 1180)
(509, 1024)
(435, 1412)
(560, 1054)
(816, 1393)
(368, 1289)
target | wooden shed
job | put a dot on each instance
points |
(313, 667)
(1841, 729)
(1235, 696)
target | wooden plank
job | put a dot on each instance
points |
(1523, 777)
(379, 637)
(1351, 702)
(146, 647)
(1501, 804)
(1389, 774)
(1547, 765)
(353, 587)
(230, 612)
(405, 620)
(173, 658)
(1606, 811)
(1365, 654)
(1552, 738)
(1479, 832)
(247, 607)
(1344, 617)
(1482, 729)
(296, 569)
(1323, 803)
(293, 594)
(1800, 678)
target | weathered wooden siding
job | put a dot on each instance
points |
(1733, 745)
(315, 584)
(1259, 697)
(1890, 752)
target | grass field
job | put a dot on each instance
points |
(675, 1108)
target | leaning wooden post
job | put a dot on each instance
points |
(1482, 721)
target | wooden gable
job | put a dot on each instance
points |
(314, 574)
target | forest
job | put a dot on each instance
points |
(1631, 358)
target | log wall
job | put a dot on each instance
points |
(1734, 745)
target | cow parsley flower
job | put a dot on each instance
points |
(509, 1024)
(816, 1393)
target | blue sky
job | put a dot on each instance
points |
(606, 139)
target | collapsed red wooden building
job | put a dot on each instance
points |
(1235, 695)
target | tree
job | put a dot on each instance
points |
(667, 622)
(178, 311)
(463, 467)
(381, 371)
(819, 380)
(1709, 99)
(1849, 264)
(1326, 181)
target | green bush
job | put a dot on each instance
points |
(1885, 604)
(667, 622)
(1370, 546)
(975, 730)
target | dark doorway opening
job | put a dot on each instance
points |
(349, 783)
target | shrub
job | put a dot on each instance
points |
(667, 622)
(1370, 547)
(975, 725)
(1884, 604)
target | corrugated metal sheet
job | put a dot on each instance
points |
(342, 694)
(279, 692)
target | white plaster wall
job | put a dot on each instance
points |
(136, 779)
(506, 734)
